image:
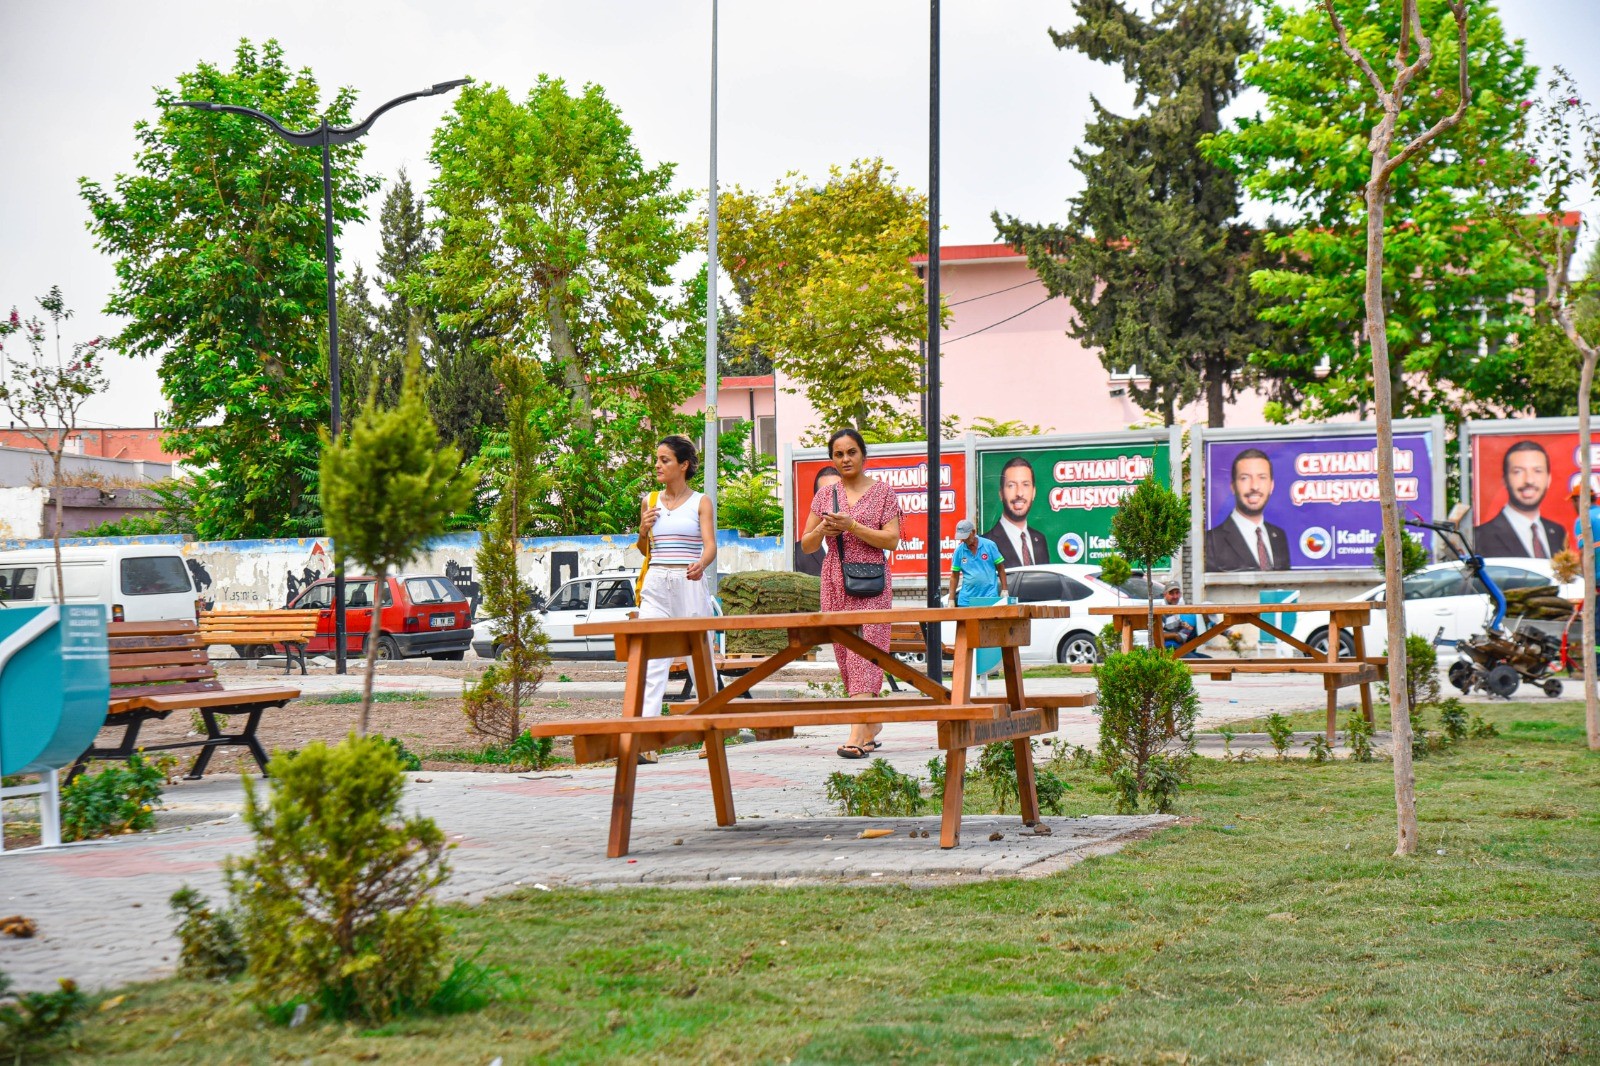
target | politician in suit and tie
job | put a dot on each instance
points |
(1245, 540)
(1519, 530)
(1019, 545)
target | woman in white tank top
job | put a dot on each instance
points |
(683, 542)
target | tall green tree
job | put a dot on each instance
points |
(1153, 256)
(363, 356)
(828, 291)
(217, 234)
(387, 488)
(556, 244)
(1450, 270)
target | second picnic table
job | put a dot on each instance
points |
(964, 720)
(1336, 669)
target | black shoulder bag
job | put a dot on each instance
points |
(862, 581)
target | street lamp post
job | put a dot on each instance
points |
(931, 415)
(325, 137)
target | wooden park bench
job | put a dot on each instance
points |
(161, 667)
(962, 719)
(257, 634)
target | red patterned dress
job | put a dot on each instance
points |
(876, 508)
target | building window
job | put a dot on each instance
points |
(767, 435)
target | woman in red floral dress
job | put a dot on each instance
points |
(866, 514)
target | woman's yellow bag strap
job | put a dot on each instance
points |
(643, 544)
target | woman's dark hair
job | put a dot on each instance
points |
(683, 450)
(853, 435)
(828, 471)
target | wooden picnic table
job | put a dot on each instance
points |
(963, 720)
(1336, 670)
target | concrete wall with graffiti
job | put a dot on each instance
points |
(253, 575)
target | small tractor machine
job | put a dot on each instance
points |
(1499, 659)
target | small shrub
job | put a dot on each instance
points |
(1109, 641)
(409, 760)
(997, 765)
(936, 777)
(1453, 720)
(1227, 733)
(1479, 729)
(1164, 776)
(1420, 744)
(119, 798)
(525, 753)
(29, 1020)
(1318, 749)
(1358, 737)
(1126, 783)
(336, 904)
(1051, 789)
(879, 791)
(1422, 672)
(1147, 708)
(1281, 733)
(487, 702)
(209, 940)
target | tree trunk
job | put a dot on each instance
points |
(1591, 699)
(374, 635)
(55, 491)
(1405, 785)
(1214, 402)
(1150, 608)
(566, 353)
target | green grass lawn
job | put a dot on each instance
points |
(1272, 925)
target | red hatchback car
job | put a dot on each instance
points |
(422, 615)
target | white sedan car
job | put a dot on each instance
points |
(606, 597)
(1078, 585)
(1444, 603)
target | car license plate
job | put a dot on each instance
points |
(442, 621)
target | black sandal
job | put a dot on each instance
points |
(852, 751)
(869, 746)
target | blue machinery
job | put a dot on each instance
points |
(55, 683)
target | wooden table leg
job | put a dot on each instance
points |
(955, 772)
(1366, 686)
(1125, 628)
(1022, 747)
(627, 755)
(716, 755)
(1333, 691)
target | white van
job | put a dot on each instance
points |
(135, 582)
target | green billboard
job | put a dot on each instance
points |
(1053, 503)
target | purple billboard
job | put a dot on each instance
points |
(1307, 504)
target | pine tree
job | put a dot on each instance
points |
(387, 488)
(1153, 257)
(361, 355)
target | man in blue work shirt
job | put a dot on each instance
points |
(977, 572)
(1591, 539)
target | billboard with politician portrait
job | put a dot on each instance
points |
(1054, 504)
(1521, 483)
(908, 476)
(1311, 503)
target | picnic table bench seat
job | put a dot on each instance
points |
(256, 634)
(161, 667)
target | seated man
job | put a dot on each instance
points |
(1179, 629)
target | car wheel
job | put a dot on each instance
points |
(913, 658)
(1319, 641)
(1078, 649)
(387, 649)
(1461, 675)
(449, 656)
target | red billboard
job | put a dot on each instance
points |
(908, 476)
(1520, 487)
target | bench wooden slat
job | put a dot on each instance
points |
(153, 629)
(148, 643)
(130, 694)
(220, 698)
(133, 675)
(729, 721)
(175, 657)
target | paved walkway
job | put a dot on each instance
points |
(102, 906)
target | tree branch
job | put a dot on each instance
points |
(1458, 8)
(1354, 53)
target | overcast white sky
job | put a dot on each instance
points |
(803, 85)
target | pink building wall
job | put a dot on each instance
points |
(1007, 356)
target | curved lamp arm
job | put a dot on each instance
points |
(324, 133)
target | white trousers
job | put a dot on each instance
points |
(668, 593)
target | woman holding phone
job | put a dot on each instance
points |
(682, 543)
(860, 519)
